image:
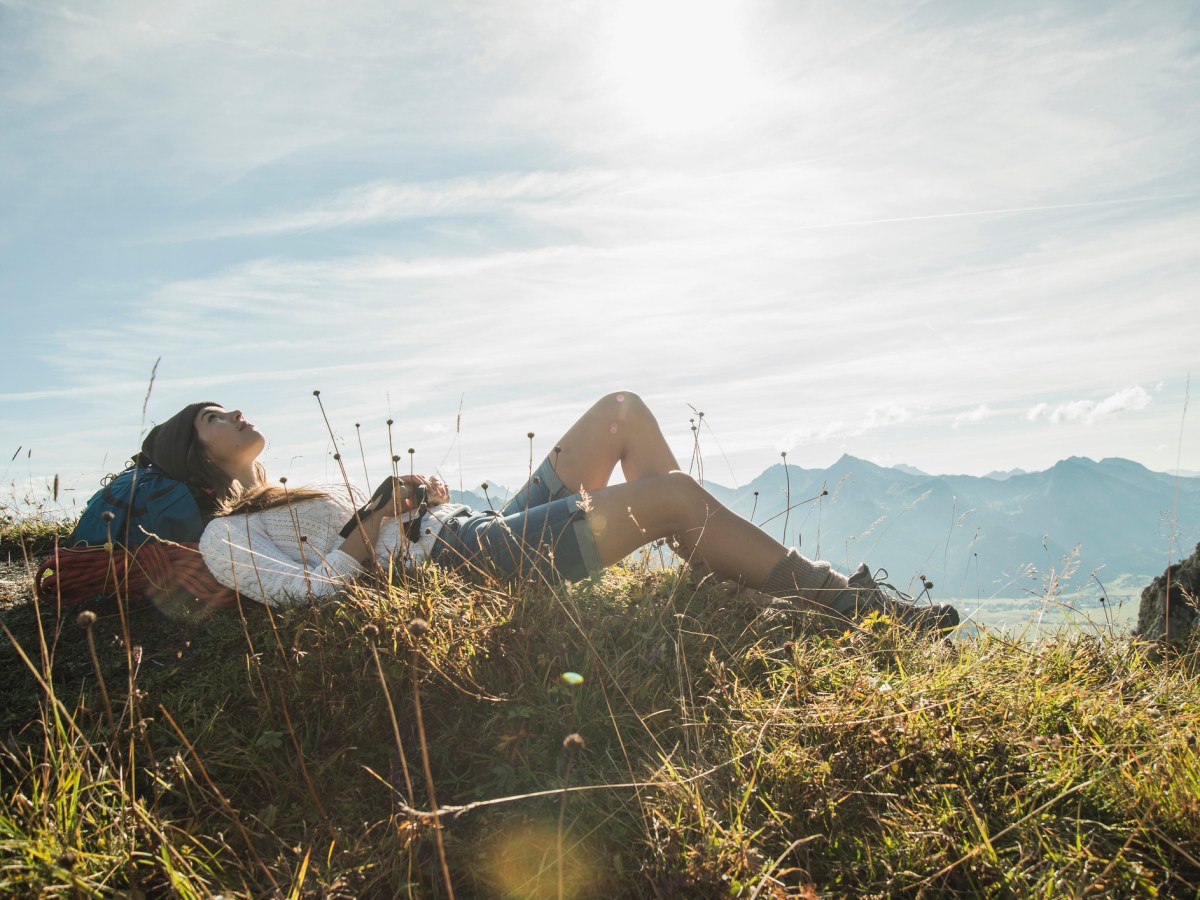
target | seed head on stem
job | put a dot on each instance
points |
(573, 743)
(87, 619)
(418, 627)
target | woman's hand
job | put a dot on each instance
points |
(436, 491)
(360, 542)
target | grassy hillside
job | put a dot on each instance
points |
(643, 736)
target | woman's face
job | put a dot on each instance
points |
(229, 440)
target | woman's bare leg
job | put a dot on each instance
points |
(657, 500)
(625, 517)
(619, 427)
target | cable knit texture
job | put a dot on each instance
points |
(260, 554)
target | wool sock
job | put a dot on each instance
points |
(814, 581)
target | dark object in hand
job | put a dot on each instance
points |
(381, 498)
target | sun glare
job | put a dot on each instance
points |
(680, 65)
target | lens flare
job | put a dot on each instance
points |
(523, 862)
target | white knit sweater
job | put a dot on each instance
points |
(260, 554)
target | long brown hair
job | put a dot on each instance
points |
(212, 486)
(263, 496)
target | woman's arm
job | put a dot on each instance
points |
(364, 550)
(251, 553)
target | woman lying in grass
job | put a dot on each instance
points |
(284, 546)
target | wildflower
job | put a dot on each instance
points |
(573, 743)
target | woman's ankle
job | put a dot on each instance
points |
(796, 576)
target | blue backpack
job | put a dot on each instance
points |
(145, 503)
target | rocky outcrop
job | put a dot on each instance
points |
(1170, 606)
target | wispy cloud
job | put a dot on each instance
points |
(978, 414)
(1091, 411)
(881, 416)
(383, 201)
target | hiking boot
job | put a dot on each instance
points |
(870, 596)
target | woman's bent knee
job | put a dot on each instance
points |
(624, 406)
(623, 400)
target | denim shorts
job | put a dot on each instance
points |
(541, 530)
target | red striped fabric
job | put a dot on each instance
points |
(152, 569)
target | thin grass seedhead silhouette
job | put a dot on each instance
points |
(418, 629)
(361, 452)
(573, 745)
(787, 503)
(696, 464)
(86, 620)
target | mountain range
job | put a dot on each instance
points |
(1000, 534)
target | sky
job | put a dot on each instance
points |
(958, 236)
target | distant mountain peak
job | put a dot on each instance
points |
(1005, 475)
(1123, 463)
(846, 460)
(1073, 464)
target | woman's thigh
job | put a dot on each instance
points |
(550, 539)
(617, 428)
